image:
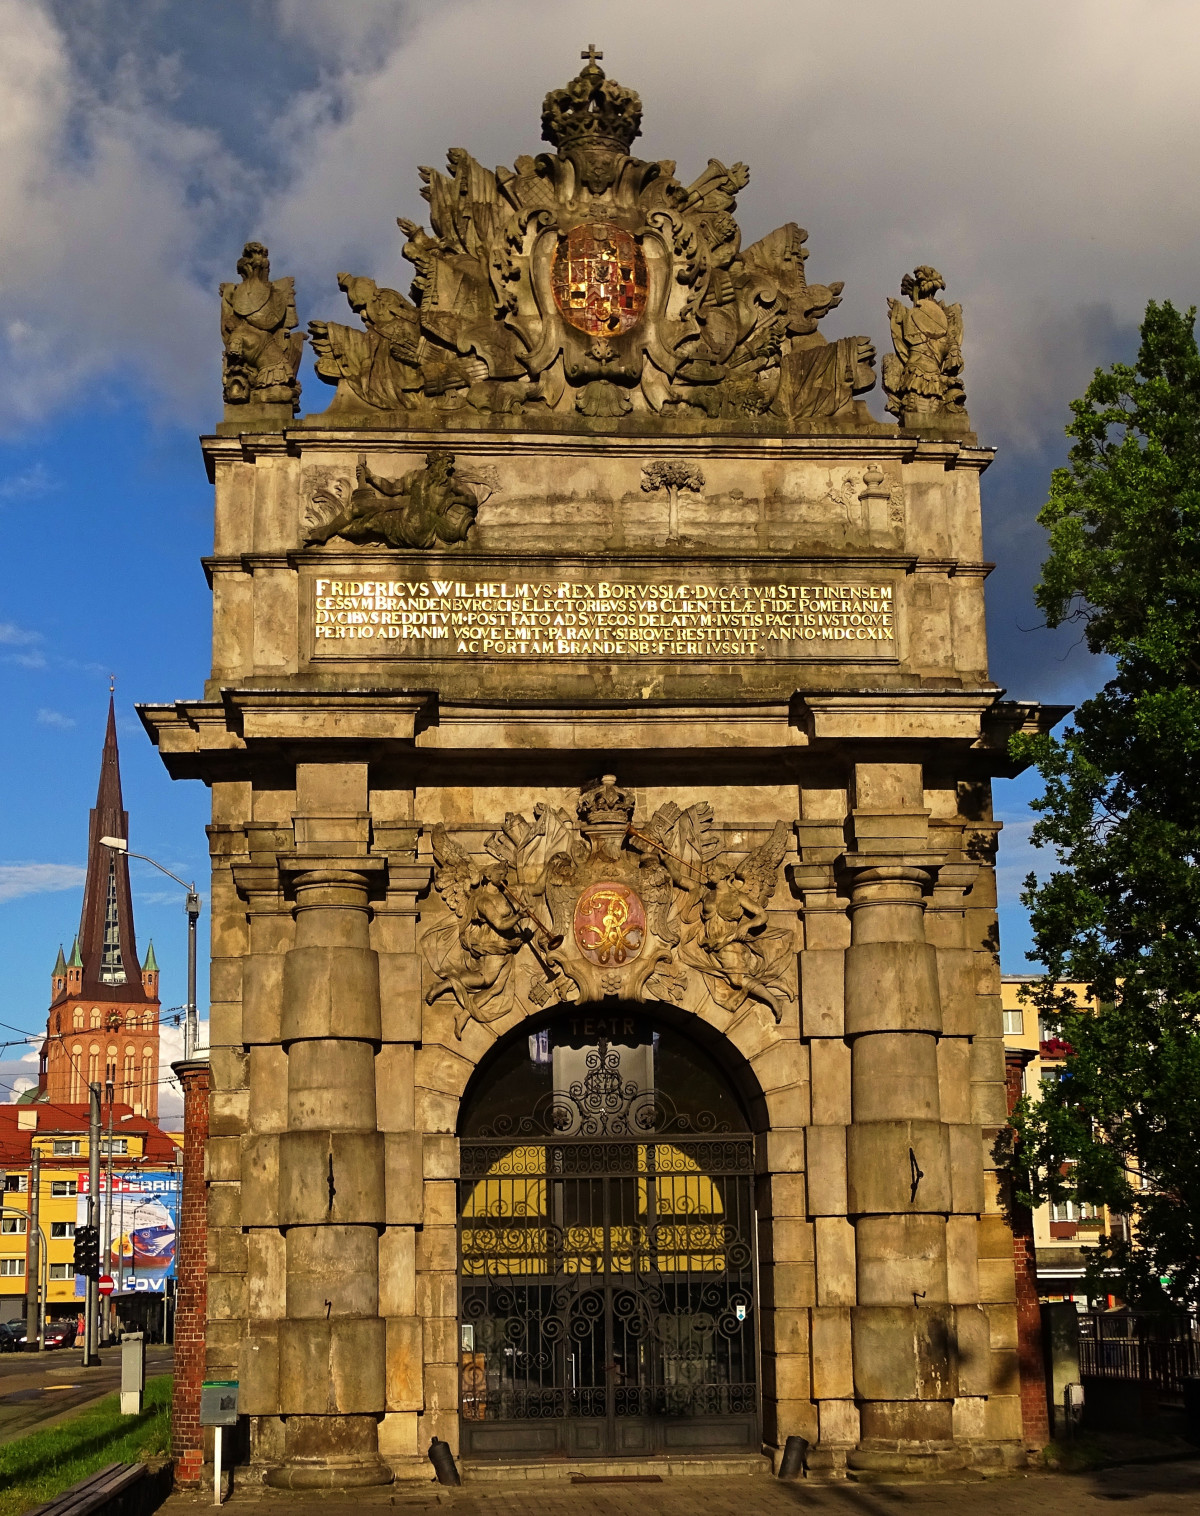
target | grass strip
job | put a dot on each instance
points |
(44, 1464)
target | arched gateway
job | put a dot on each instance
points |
(598, 660)
(607, 1247)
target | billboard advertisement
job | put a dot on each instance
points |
(145, 1213)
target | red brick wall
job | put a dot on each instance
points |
(1035, 1416)
(191, 1288)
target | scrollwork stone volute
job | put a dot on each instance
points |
(572, 913)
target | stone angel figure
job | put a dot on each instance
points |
(262, 347)
(739, 955)
(923, 378)
(472, 956)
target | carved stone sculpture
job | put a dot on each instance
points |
(424, 508)
(659, 912)
(262, 347)
(589, 282)
(672, 477)
(923, 378)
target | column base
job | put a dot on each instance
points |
(329, 1453)
(329, 1474)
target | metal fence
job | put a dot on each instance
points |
(1161, 1351)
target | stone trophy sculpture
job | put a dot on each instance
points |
(262, 347)
(923, 378)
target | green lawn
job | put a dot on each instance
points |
(42, 1465)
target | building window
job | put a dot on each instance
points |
(62, 1229)
(114, 1145)
(62, 1270)
(76, 1073)
(66, 1147)
(77, 1018)
(11, 1266)
(1014, 1023)
(1071, 1210)
(63, 1187)
(95, 1022)
(16, 1184)
(12, 1224)
(94, 1059)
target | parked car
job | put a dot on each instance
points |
(12, 1335)
(60, 1334)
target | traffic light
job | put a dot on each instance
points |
(87, 1251)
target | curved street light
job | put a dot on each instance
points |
(192, 906)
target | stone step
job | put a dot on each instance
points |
(731, 1466)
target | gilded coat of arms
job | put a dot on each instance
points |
(599, 278)
(610, 923)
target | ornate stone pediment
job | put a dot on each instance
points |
(574, 912)
(585, 281)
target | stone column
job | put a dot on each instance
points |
(331, 1185)
(191, 1277)
(898, 1160)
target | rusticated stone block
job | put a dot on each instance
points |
(838, 1422)
(266, 1274)
(899, 1257)
(223, 1160)
(400, 996)
(888, 1422)
(822, 992)
(331, 1271)
(226, 1297)
(974, 1350)
(331, 1177)
(835, 1261)
(405, 1365)
(405, 1185)
(397, 1271)
(970, 1418)
(787, 1331)
(395, 1091)
(331, 1367)
(268, 1089)
(891, 987)
(228, 1112)
(258, 1372)
(224, 1203)
(962, 1260)
(826, 1170)
(956, 990)
(966, 1169)
(260, 1177)
(895, 1077)
(954, 1079)
(262, 997)
(830, 1060)
(398, 1436)
(879, 1167)
(437, 1247)
(440, 1157)
(832, 1358)
(1002, 1418)
(903, 1352)
(330, 992)
(331, 1086)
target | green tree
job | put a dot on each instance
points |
(1121, 810)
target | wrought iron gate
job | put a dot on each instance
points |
(607, 1280)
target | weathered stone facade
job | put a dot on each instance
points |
(684, 557)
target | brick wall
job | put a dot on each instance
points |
(1035, 1416)
(191, 1289)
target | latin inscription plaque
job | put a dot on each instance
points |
(357, 618)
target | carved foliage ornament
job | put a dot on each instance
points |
(586, 280)
(572, 912)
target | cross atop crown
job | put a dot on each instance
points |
(591, 56)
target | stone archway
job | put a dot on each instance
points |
(607, 1245)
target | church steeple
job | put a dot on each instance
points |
(106, 935)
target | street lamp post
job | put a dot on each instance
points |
(192, 906)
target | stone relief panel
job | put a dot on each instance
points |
(430, 507)
(573, 910)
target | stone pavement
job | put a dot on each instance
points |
(1162, 1489)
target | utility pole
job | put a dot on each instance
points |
(33, 1315)
(191, 1028)
(90, 1356)
(106, 1255)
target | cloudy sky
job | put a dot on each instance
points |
(1041, 155)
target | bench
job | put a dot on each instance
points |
(95, 1492)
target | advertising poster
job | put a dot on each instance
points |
(145, 1212)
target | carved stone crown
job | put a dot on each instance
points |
(605, 803)
(592, 110)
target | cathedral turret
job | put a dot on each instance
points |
(58, 976)
(150, 972)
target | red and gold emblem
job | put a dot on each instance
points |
(610, 924)
(599, 278)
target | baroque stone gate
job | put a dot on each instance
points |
(599, 700)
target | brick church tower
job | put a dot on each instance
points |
(104, 1008)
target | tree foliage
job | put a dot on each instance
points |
(1121, 810)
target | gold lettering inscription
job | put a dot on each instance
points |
(556, 619)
